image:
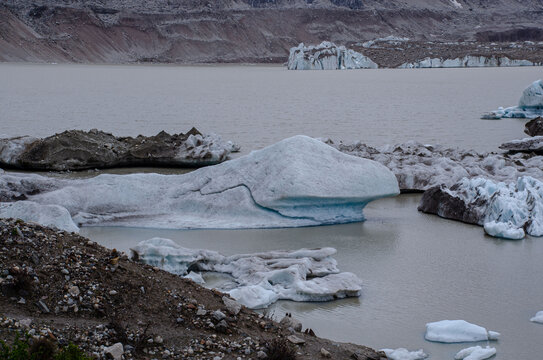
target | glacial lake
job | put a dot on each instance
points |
(416, 268)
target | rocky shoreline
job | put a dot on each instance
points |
(66, 288)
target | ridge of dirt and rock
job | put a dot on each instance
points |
(66, 288)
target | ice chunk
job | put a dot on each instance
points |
(48, 215)
(538, 318)
(404, 354)
(475, 353)
(456, 331)
(530, 104)
(11, 148)
(292, 183)
(504, 230)
(197, 278)
(327, 56)
(505, 210)
(261, 278)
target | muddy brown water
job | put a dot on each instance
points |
(416, 268)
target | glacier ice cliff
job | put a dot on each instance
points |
(530, 104)
(298, 181)
(506, 210)
(419, 167)
(327, 56)
(457, 331)
(259, 279)
(466, 61)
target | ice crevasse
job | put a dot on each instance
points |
(299, 181)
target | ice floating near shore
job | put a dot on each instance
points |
(297, 182)
(46, 215)
(457, 331)
(538, 318)
(327, 56)
(419, 167)
(404, 354)
(261, 278)
(530, 105)
(475, 353)
(505, 210)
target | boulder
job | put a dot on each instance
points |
(526, 145)
(80, 150)
(534, 127)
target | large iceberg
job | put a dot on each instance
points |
(419, 167)
(475, 353)
(299, 181)
(327, 56)
(506, 210)
(259, 279)
(457, 331)
(530, 104)
(527, 145)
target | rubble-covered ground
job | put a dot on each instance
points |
(66, 288)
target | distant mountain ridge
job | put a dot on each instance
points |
(197, 31)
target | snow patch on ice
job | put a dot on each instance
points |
(475, 353)
(327, 56)
(457, 331)
(538, 318)
(404, 354)
(261, 278)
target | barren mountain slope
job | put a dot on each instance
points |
(116, 31)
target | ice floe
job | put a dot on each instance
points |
(538, 318)
(297, 182)
(457, 331)
(260, 278)
(530, 104)
(504, 209)
(475, 353)
(327, 56)
(419, 167)
(404, 354)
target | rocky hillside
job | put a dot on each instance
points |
(189, 31)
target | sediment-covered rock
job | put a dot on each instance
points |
(327, 56)
(507, 210)
(526, 145)
(79, 150)
(534, 127)
(467, 62)
(260, 279)
(475, 353)
(419, 167)
(292, 183)
(530, 105)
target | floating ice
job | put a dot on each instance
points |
(457, 331)
(528, 145)
(505, 210)
(261, 278)
(419, 167)
(391, 39)
(197, 278)
(475, 353)
(404, 354)
(530, 104)
(297, 182)
(47, 215)
(538, 318)
(327, 56)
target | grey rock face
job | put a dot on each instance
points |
(79, 150)
(534, 127)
